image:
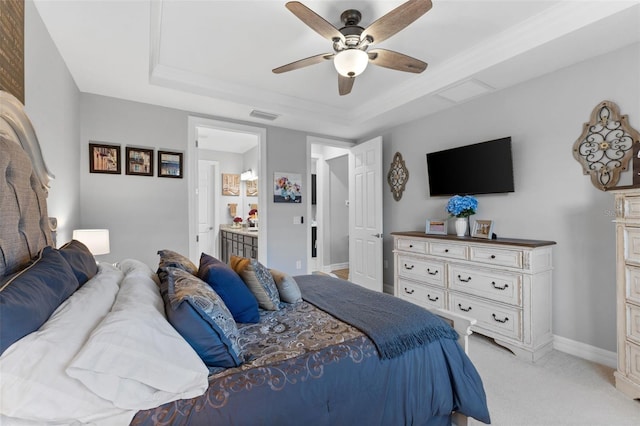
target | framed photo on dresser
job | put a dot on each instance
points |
(482, 229)
(437, 227)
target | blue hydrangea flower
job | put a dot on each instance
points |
(462, 206)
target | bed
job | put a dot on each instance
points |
(112, 344)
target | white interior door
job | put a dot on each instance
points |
(365, 214)
(207, 226)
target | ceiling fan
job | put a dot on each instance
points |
(351, 42)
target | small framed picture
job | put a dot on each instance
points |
(170, 164)
(139, 161)
(482, 229)
(104, 158)
(438, 227)
(230, 184)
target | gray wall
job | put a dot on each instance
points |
(146, 214)
(52, 102)
(553, 200)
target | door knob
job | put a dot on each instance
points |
(377, 235)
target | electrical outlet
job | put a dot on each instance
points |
(298, 264)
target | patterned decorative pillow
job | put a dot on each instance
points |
(259, 280)
(287, 287)
(169, 258)
(202, 318)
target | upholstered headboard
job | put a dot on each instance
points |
(24, 183)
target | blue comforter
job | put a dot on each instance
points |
(309, 368)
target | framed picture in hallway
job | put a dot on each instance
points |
(104, 158)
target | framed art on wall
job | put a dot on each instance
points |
(230, 184)
(139, 161)
(482, 229)
(287, 187)
(252, 188)
(170, 164)
(104, 158)
(438, 227)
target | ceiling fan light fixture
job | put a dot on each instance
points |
(351, 62)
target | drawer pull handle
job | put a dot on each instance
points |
(499, 320)
(446, 250)
(432, 299)
(493, 256)
(432, 273)
(406, 290)
(463, 280)
(463, 309)
(493, 283)
(410, 245)
(408, 267)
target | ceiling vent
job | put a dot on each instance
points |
(466, 90)
(263, 115)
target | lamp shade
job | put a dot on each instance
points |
(351, 62)
(96, 240)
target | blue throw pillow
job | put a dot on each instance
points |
(201, 317)
(230, 287)
(80, 259)
(29, 297)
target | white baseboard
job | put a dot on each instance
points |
(328, 268)
(588, 352)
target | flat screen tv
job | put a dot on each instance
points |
(481, 168)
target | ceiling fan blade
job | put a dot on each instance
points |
(396, 20)
(315, 21)
(345, 84)
(396, 61)
(312, 60)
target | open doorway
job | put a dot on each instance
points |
(328, 206)
(227, 169)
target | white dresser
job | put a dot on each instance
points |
(627, 205)
(505, 284)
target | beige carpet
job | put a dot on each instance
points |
(558, 390)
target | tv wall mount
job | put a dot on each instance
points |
(606, 145)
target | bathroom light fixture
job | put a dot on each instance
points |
(248, 175)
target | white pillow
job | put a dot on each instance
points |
(34, 384)
(135, 358)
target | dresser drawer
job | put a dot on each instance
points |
(421, 269)
(633, 284)
(454, 251)
(633, 323)
(414, 246)
(493, 256)
(500, 286)
(632, 244)
(633, 360)
(499, 319)
(426, 296)
(632, 207)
